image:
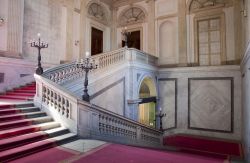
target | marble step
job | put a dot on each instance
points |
(31, 148)
(30, 138)
(22, 116)
(28, 129)
(18, 110)
(24, 122)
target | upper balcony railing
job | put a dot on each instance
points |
(68, 72)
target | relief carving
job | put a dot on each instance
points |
(201, 4)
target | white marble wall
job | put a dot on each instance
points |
(19, 74)
(166, 20)
(44, 17)
(245, 66)
(167, 101)
(12, 30)
(204, 121)
(210, 104)
(3, 29)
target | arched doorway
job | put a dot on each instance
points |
(147, 106)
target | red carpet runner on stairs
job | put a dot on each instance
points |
(21, 93)
(25, 129)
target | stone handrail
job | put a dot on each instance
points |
(109, 126)
(57, 102)
(68, 72)
(89, 120)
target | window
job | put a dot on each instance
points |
(209, 41)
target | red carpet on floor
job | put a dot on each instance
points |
(52, 155)
(115, 153)
(200, 144)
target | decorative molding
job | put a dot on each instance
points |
(77, 10)
(246, 56)
(167, 16)
(23, 75)
(98, 12)
(1, 77)
(231, 79)
(201, 5)
(132, 15)
(138, 76)
(176, 98)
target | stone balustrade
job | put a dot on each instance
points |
(109, 126)
(110, 58)
(88, 120)
(69, 72)
(57, 102)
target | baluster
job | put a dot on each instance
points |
(52, 98)
(100, 123)
(48, 97)
(63, 106)
(67, 109)
(56, 98)
(44, 94)
(59, 103)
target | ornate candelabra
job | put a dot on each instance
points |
(2, 21)
(125, 34)
(87, 65)
(39, 45)
(160, 115)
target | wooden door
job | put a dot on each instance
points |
(134, 40)
(96, 41)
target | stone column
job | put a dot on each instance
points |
(83, 40)
(114, 29)
(151, 27)
(182, 33)
(238, 34)
(15, 28)
(69, 29)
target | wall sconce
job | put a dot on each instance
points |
(77, 42)
(2, 21)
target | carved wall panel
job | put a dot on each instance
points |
(210, 104)
(168, 102)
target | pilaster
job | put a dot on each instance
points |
(15, 28)
(182, 33)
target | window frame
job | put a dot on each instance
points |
(210, 16)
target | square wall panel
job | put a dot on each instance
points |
(210, 104)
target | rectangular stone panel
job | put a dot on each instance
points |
(168, 102)
(1, 77)
(210, 104)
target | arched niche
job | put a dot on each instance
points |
(147, 107)
(168, 42)
(147, 88)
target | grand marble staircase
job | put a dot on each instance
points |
(25, 129)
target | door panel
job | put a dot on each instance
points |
(147, 114)
(134, 40)
(96, 41)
